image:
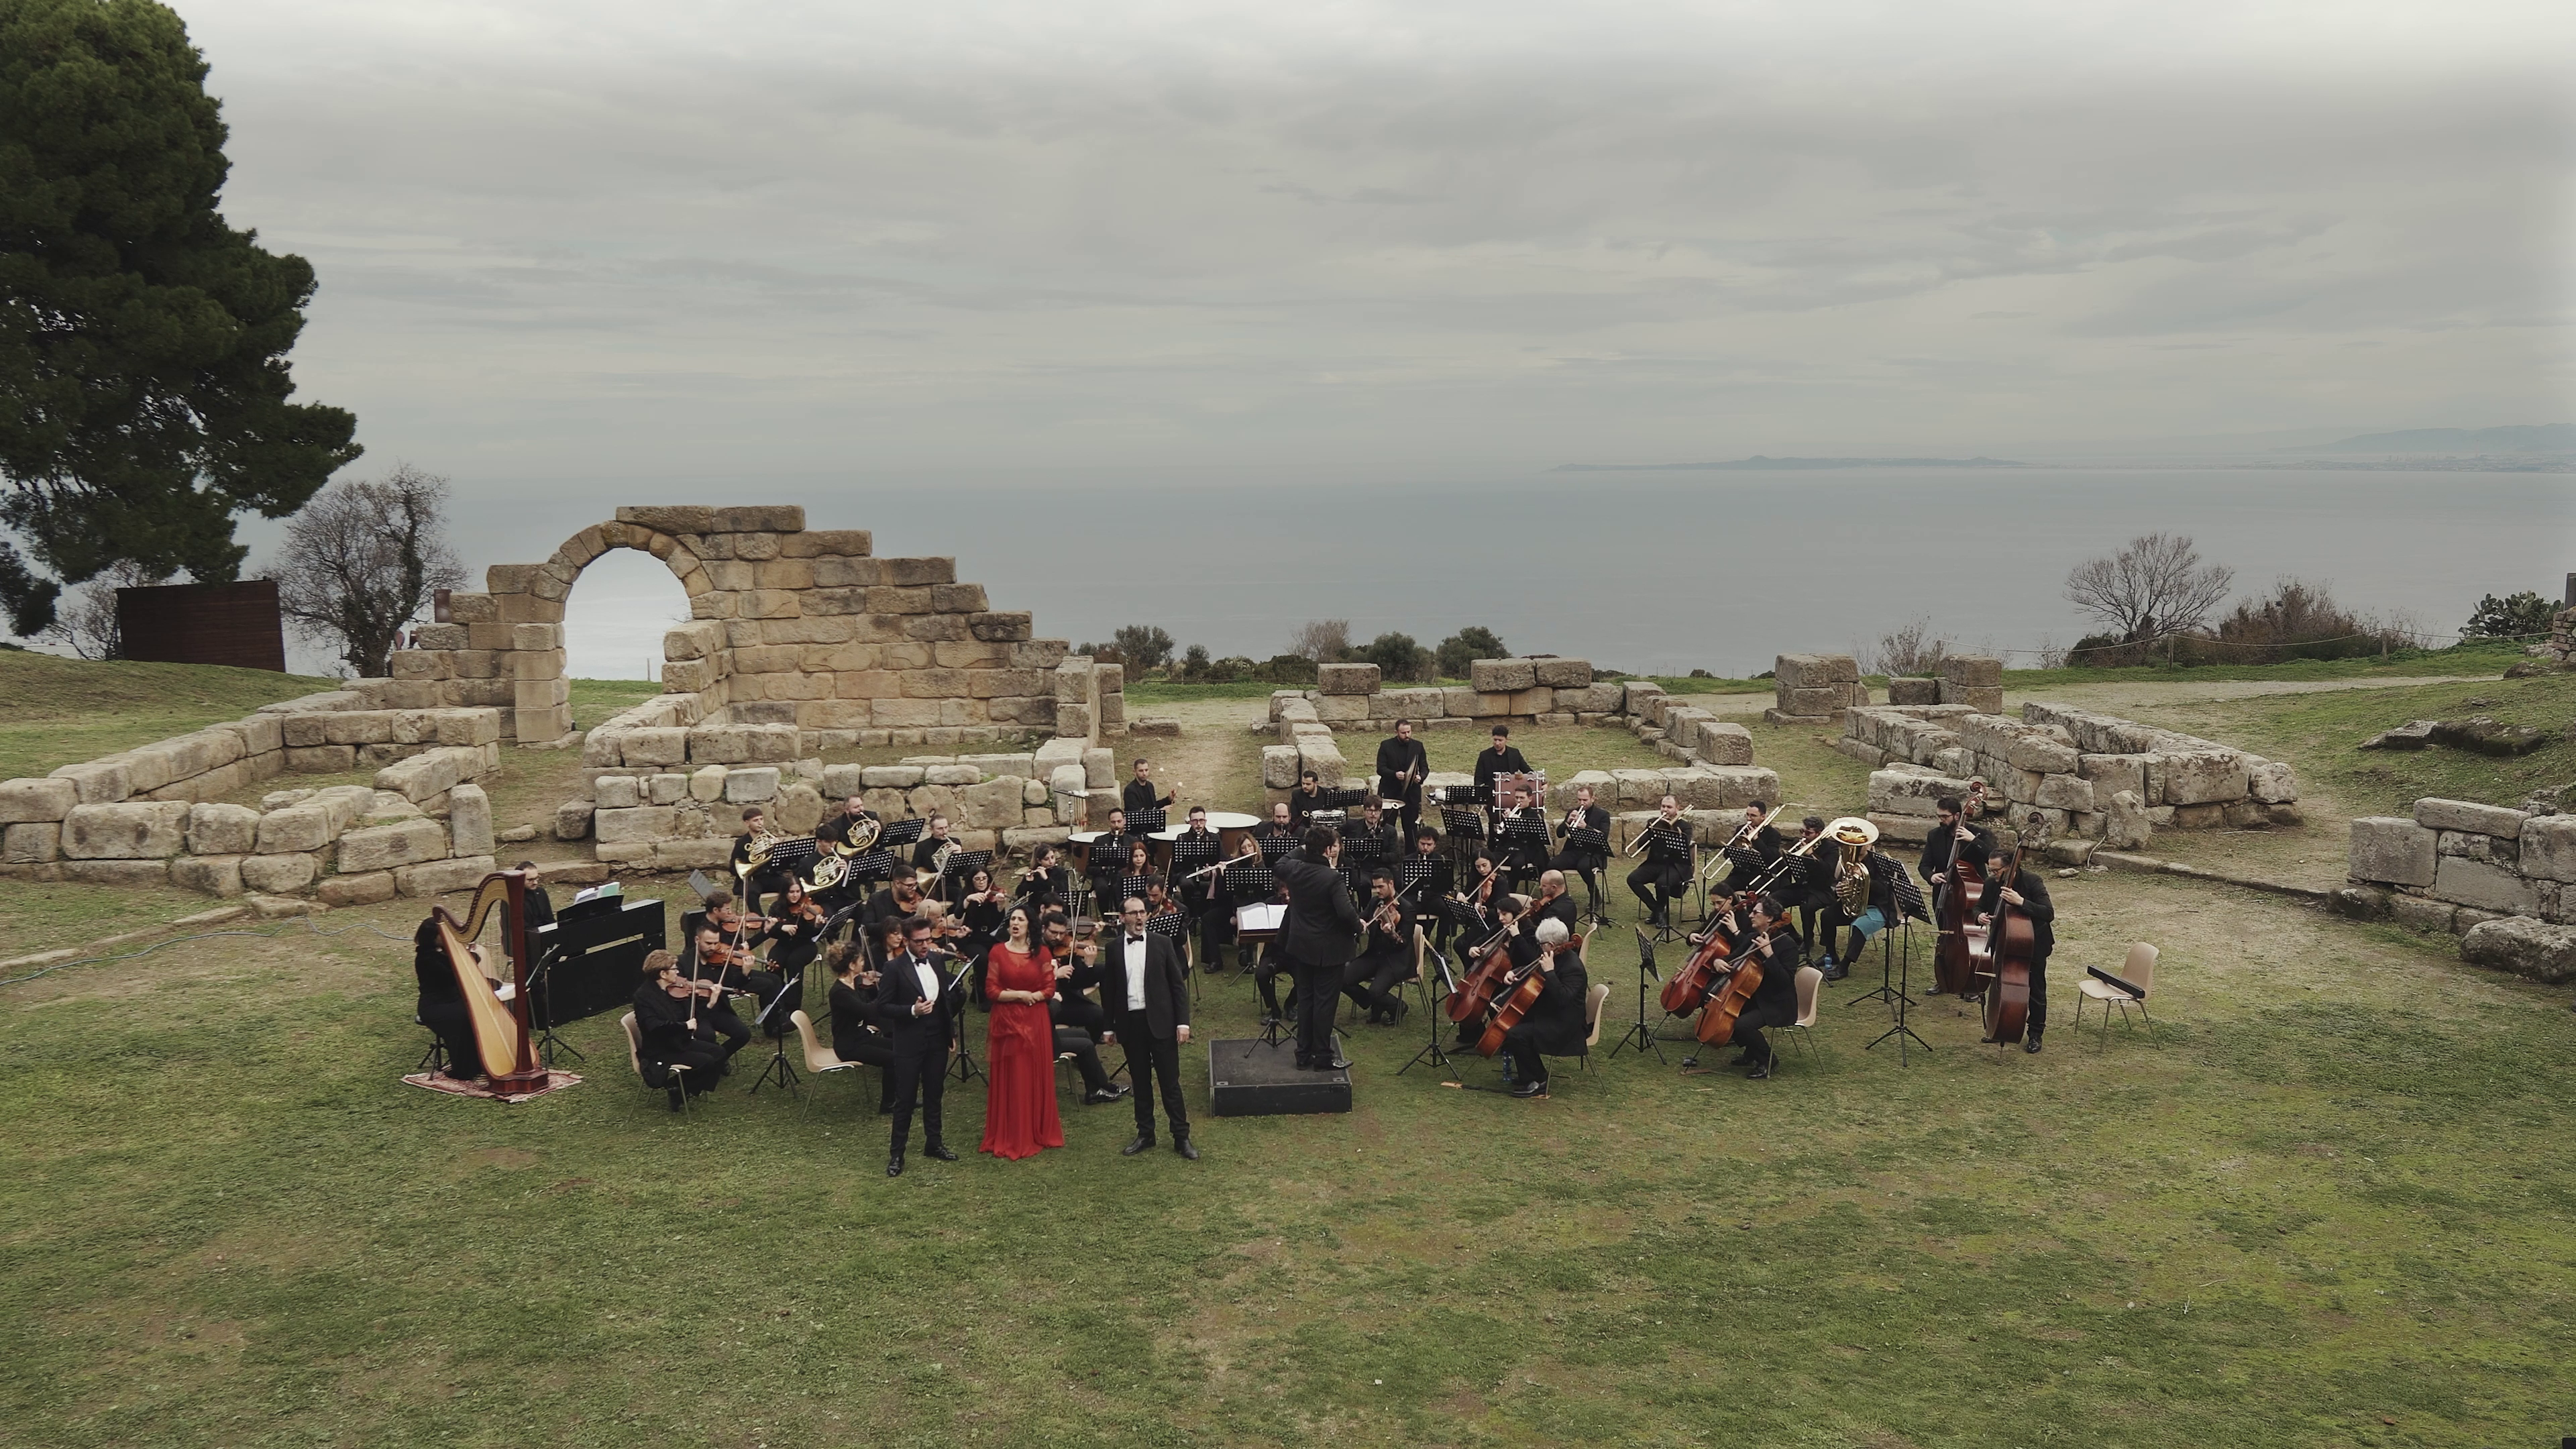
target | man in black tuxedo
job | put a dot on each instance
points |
(1401, 764)
(1500, 758)
(1138, 793)
(1321, 936)
(918, 1016)
(1147, 995)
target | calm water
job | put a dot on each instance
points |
(1654, 573)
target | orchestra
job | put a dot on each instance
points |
(1373, 895)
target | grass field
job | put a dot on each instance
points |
(56, 711)
(2330, 1208)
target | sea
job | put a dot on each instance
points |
(1648, 572)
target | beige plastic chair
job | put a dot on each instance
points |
(819, 1059)
(635, 1054)
(1592, 1000)
(1809, 980)
(2138, 970)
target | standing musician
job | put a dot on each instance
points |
(1555, 1024)
(1402, 763)
(1046, 883)
(2027, 894)
(1499, 758)
(760, 880)
(1199, 892)
(673, 1032)
(1954, 838)
(1306, 799)
(855, 1037)
(1775, 998)
(1375, 977)
(919, 1016)
(1588, 864)
(1322, 934)
(1667, 871)
(1143, 986)
(1138, 793)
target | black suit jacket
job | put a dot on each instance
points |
(1394, 757)
(1138, 795)
(1323, 926)
(1167, 987)
(1489, 764)
(1937, 848)
(2036, 905)
(897, 989)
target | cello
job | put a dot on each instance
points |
(2012, 946)
(1475, 994)
(1519, 995)
(1717, 1019)
(1690, 985)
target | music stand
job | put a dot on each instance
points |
(779, 1066)
(1462, 823)
(1275, 846)
(964, 1066)
(1899, 1001)
(1657, 830)
(873, 865)
(1591, 844)
(1641, 1037)
(963, 864)
(1432, 1054)
(1189, 855)
(550, 1047)
(1524, 839)
(1145, 820)
(906, 831)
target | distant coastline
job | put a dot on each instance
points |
(1758, 463)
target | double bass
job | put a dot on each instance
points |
(2010, 948)
(1717, 1019)
(1954, 967)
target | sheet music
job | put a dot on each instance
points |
(1261, 916)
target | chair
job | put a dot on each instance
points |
(635, 1055)
(1809, 980)
(1592, 1000)
(433, 1060)
(2139, 970)
(819, 1058)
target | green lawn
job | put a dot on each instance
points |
(56, 711)
(2332, 1208)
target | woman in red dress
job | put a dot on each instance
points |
(1019, 1061)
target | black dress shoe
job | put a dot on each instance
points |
(1396, 1013)
(1136, 1144)
(2030, 1044)
(1530, 1089)
(1186, 1148)
(1761, 1073)
(894, 1165)
(679, 1096)
(941, 1151)
(1328, 1064)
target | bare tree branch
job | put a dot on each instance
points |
(2155, 586)
(361, 561)
(1322, 640)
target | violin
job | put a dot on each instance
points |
(1717, 1019)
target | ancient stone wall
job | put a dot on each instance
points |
(2455, 863)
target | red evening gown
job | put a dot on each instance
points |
(1019, 1061)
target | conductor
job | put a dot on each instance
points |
(1321, 936)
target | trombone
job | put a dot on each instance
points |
(1717, 869)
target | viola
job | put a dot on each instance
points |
(1717, 1019)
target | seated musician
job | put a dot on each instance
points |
(1079, 1021)
(1106, 861)
(1499, 758)
(1229, 890)
(1375, 978)
(1197, 892)
(855, 1037)
(1520, 946)
(1441, 879)
(1587, 863)
(1482, 891)
(1372, 826)
(541, 907)
(1278, 835)
(1555, 1025)
(925, 851)
(1522, 848)
(1163, 915)
(2027, 895)
(1775, 999)
(757, 881)
(1878, 905)
(1666, 872)
(981, 905)
(719, 970)
(1810, 887)
(441, 1006)
(1305, 800)
(1754, 844)
(901, 897)
(1046, 884)
(670, 1018)
(1138, 793)
(838, 831)
(1553, 903)
(795, 938)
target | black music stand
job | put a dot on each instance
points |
(1145, 821)
(550, 1047)
(964, 1064)
(1898, 1001)
(961, 865)
(906, 831)
(1641, 1037)
(1432, 1054)
(1524, 841)
(1462, 823)
(779, 1066)
(872, 865)
(1669, 931)
(1593, 844)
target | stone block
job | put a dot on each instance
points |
(97, 782)
(469, 821)
(1341, 709)
(2421, 913)
(1724, 743)
(1973, 671)
(37, 800)
(1562, 673)
(280, 874)
(1814, 671)
(993, 805)
(750, 785)
(1346, 679)
(34, 842)
(655, 745)
(999, 626)
(1983, 701)
(710, 853)
(572, 820)
(1811, 703)
(644, 822)
(214, 875)
(618, 792)
(2110, 774)
(2468, 816)
(798, 809)
(443, 877)
(223, 830)
(2202, 777)
(950, 774)
(2485, 886)
(1320, 754)
(356, 890)
(1914, 691)
(1073, 720)
(1279, 767)
(2547, 848)
(2391, 850)
(2064, 792)
(129, 830)
(2125, 825)
(2524, 947)
(1501, 676)
(1100, 768)
(382, 847)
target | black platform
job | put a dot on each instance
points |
(1248, 1079)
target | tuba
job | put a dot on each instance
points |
(1852, 875)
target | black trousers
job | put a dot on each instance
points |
(872, 1049)
(1160, 1055)
(766, 987)
(2038, 999)
(455, 1029)
(721, 1017)
(1749, 1027)
(1318, 990)
(1658, 885)
(1371, 979)
(920, 1077)
(699, 1053)
(1082, 1014)
(1215, 926)
(1521, 1044)
(1086, 1056)
(1265, 975)
(1587, 867)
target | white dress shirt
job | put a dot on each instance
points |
(1135, 973)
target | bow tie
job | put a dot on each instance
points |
(1135, 940)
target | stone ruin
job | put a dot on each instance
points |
(1816, 689)
(2503, 880)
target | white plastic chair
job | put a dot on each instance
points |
(2139, 970)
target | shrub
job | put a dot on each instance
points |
(2297, 620)
(1288, 669)
(2514, 614)
(1397, 657)
(1466, 647)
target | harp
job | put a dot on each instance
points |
(501, 1036)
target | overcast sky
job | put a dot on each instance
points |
(645, 239)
